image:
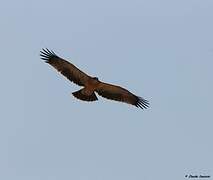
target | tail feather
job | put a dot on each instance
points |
(81, 96)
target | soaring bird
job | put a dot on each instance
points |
(91, 84)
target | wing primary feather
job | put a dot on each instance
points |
(45, 50)
(142, 103)
(48, 50)
(144, 100)
(139, 105)
(46, 54)
(53, 53)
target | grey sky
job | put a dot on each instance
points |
(160, 50)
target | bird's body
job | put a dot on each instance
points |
(91, 84)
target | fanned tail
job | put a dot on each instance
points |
(81, 96)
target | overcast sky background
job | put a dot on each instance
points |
(160, 50)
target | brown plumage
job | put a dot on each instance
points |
(91, 84)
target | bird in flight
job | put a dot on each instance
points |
(91, 84)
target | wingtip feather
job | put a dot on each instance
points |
(141, 103)
(47, 54)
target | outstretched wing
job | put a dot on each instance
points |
(118, 93)
(64, 67)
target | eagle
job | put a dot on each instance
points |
(91, 84)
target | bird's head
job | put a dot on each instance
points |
(95, 78)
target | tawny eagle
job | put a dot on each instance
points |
(91, 84)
